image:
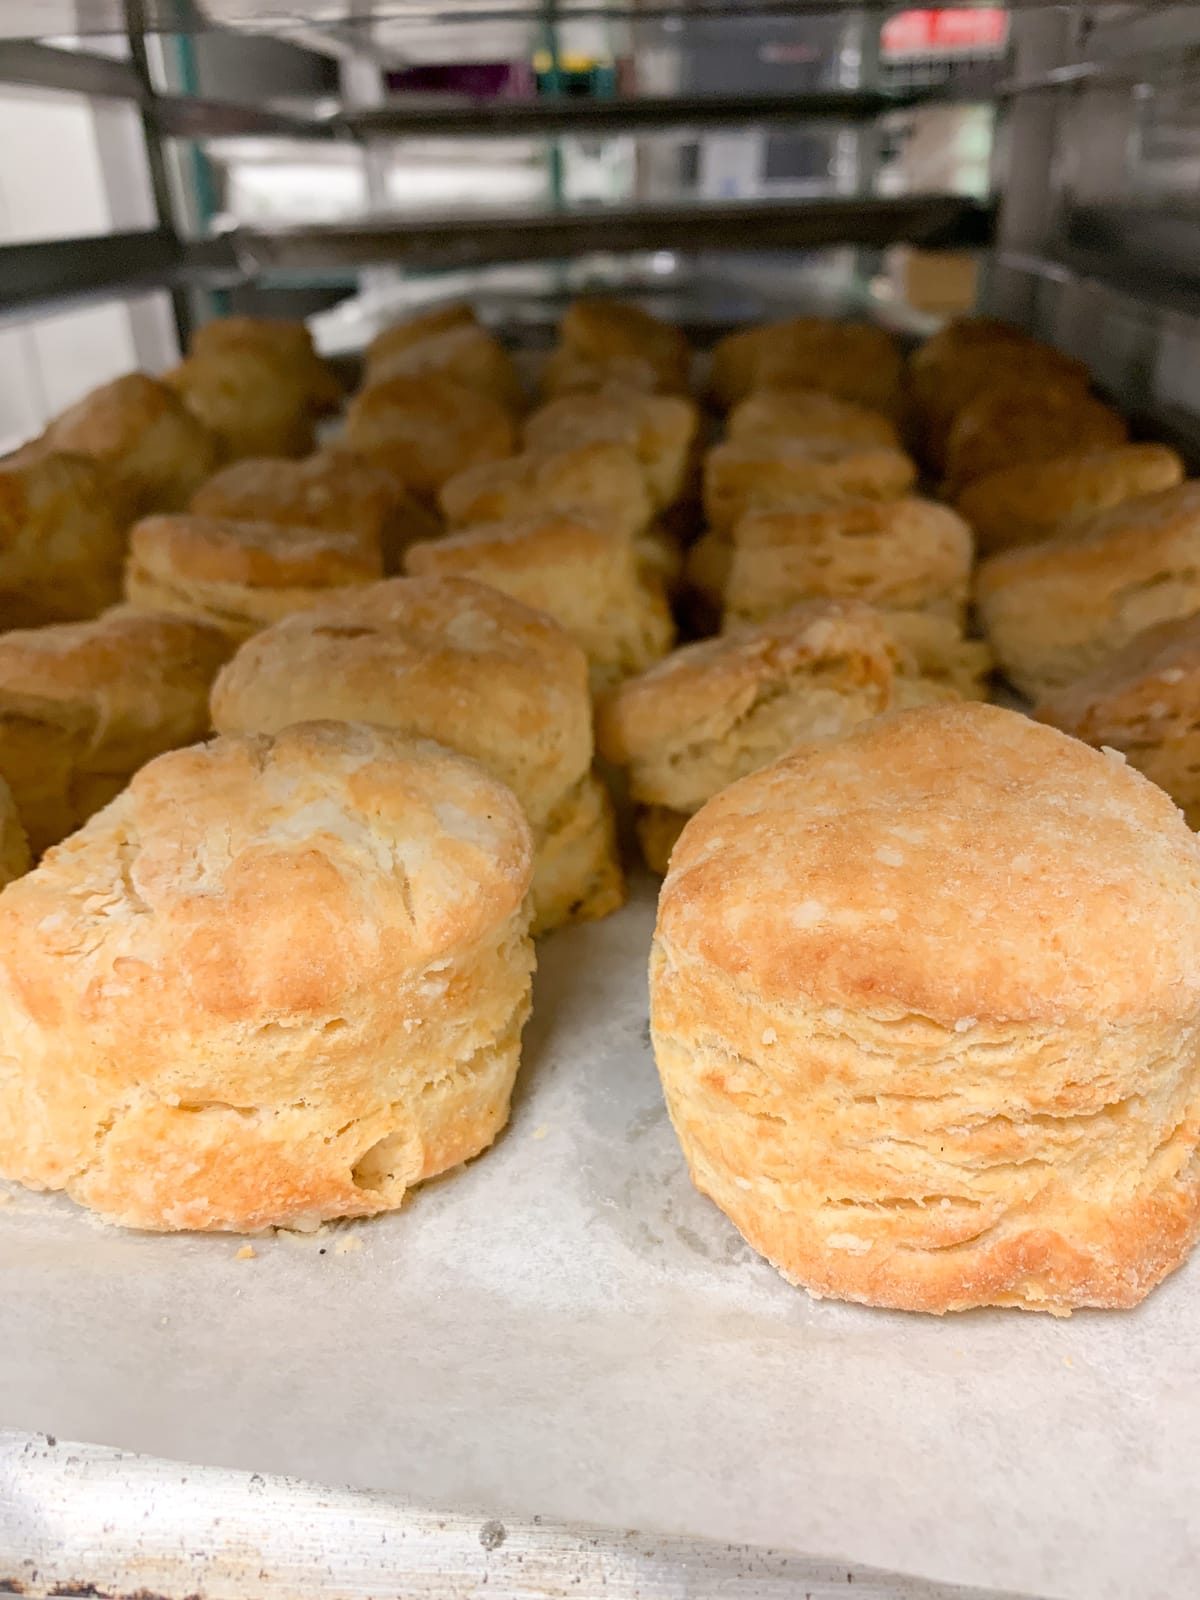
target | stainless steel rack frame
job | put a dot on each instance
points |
(34, 275)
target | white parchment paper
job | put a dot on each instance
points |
(566, 1328)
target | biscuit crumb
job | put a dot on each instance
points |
(347, 1244)
(1067, 1362)
(246, 1253)
(541, 1132)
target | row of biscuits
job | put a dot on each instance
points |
(226, 867)
(924, 987)
(363, 899)
(806, 498)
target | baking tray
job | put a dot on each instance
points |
(565, 1329)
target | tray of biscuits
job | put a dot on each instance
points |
(624, 952)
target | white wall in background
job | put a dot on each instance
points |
(70, 168)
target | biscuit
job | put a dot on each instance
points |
(566, 371)
(426, 429)
(486, 676)
(900, 555)
(277, 981)
(1055, 611)
(1144, 702)
(600, 332)
(244, 396)
(851, 360)
(288, 344)
(741, 476)
(331, 490)
(1019, 421)
(660, 429)
(83, 705)
(957, 334)
(240, 576)
(1026, 504)
(578, 571)
(155, 451)
(944, 657)
(925, 1002)
(467, 354)
(940, 388)
(602, 480)
(808, 414)
(62, 539)
(399, 336)
(712, 712)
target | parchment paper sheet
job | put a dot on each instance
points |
(566, 1328)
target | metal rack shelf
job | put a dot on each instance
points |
(69, 269)
(427, 244)
(190, 117)
(519, 118)
(32, 19)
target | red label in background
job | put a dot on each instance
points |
(945, 32)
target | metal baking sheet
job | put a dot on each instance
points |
(566, 1329)
(94, 1522)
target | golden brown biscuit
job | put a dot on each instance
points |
(1018, 421)
(331, 490)
(412, 330)
(566, 371)
(660, 429)
(711, 712)
(277, 981)
(62, 539)
(944, 657)
(467, 354)
(959, 334)
(83, 705)
(601, 331)
(288, 344)
(1029, 503)
(926, 1005)
(602, 480)
(852, 360)
(240, 576)
(900, 555)
(740, 476)
(808, 414)
(427, 429)
(939, 391)
(249, 399)
(578, 571)
(1055, 611)
(448, 659)
(1144, 702)
(155, 451)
